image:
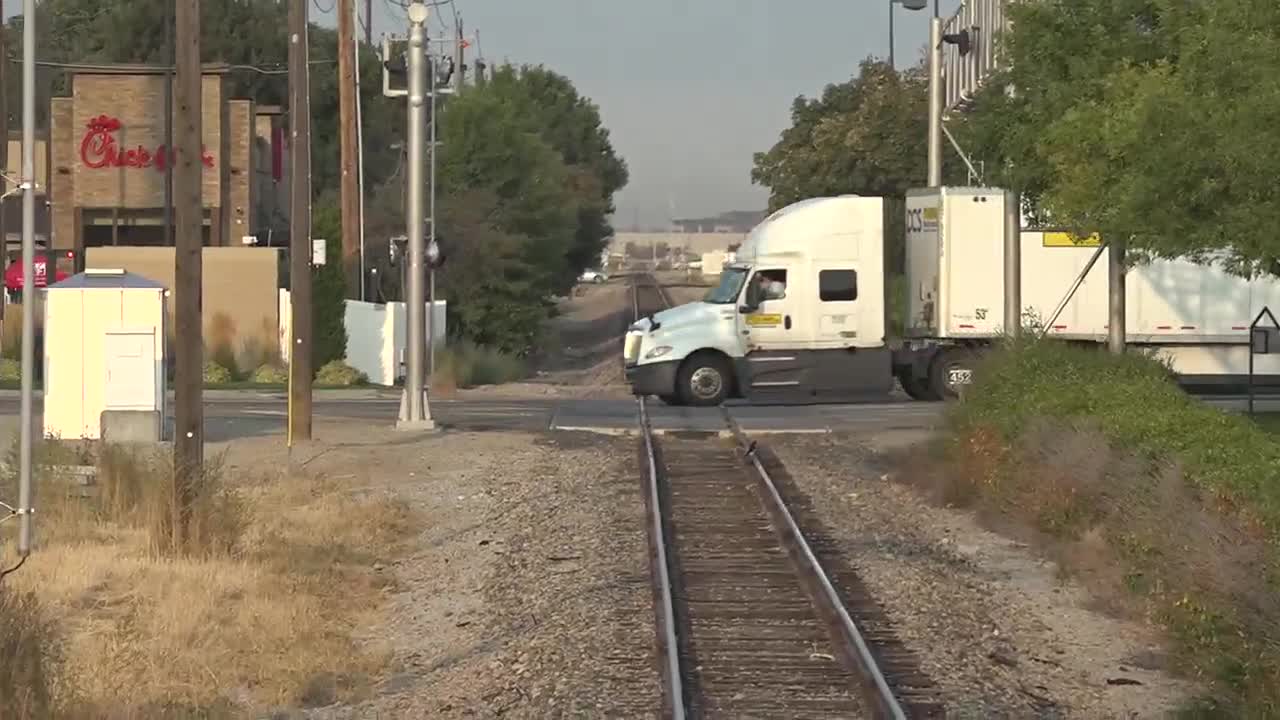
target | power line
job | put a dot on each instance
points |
(126, 68)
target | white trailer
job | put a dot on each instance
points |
(801, 313)
(1195, 316)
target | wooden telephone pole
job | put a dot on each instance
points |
(300, 371)
(4, 131)
(348, 147)
(188, 441)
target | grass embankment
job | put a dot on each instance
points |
(1166, 508)
(108, 620)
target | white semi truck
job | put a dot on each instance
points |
(802, 312)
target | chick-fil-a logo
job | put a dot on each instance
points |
(98, 149)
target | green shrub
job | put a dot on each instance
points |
(270, 374)
(465, 364)
(1083, 445)
(328, 289)
(215, 374)
(10, 370)
(338, 373)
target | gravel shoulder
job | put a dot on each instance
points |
(997, 629)
(525, 593)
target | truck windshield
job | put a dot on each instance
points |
(726, 293)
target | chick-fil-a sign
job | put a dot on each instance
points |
(99, 149)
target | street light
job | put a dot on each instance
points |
(910, 5)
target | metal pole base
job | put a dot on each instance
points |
(408, 424)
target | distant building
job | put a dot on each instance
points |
(738, 221)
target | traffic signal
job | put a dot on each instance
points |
(435, 254)
(395, 67)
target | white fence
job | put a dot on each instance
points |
(375, 336)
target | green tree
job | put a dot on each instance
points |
(571, 124)
(865, 136)
(328, 290)
(489, 147)
(1156, 124)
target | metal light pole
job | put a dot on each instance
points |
(431, 266)
(29, 291)
(935, 102)
(910, 5)
(415, 413)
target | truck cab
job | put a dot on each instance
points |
(799, 314)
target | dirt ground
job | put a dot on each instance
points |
(994, 625)
(526, 591)
(582, 357)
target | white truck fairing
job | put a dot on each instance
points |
(826, 258)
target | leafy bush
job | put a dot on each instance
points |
(10, 370)
(465, 364)
(329, 290)
(1150, 494)
(215, 374)
(338, 373)
(270, 374)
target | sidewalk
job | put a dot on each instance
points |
(273, 393)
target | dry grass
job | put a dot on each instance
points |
(256, 614)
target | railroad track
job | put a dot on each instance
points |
(749, 623)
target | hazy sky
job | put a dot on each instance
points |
(689, 89)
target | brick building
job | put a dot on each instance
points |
(107, 164)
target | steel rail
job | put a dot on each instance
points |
(674, 678)
(885, 701)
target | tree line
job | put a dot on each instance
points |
(526, 172)
(1157, 121)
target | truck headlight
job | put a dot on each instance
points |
(657, 352)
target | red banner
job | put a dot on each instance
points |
(13, 279)
(98, 149)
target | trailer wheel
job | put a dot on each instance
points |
(704, 380)
(951, 372)
(916, 388)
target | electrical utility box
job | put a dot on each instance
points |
(104, 356)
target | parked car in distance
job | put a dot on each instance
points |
(593, 276)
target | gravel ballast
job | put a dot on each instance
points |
(992, 624)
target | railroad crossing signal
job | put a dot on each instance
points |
(970, 50)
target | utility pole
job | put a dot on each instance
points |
(168, 124)
(4, 133)
(368, 22)
(188, 442)
(28, 270)
(431, 240)
(1116, 330)
(350, 185)
(1012, 264)
(415, 412)
(935, 102)
(459, 69)
(300, 371)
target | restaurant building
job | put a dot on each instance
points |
(107, 160)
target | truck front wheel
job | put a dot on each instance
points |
(704, 380)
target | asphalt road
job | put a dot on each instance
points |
(237, 414)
